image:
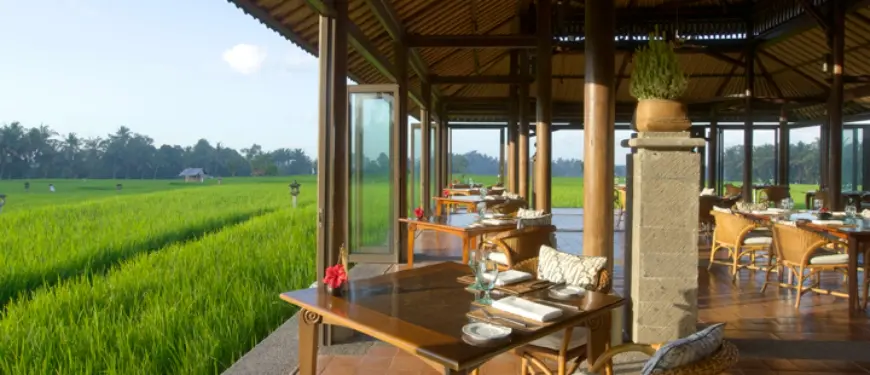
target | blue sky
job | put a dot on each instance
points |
(178, 71)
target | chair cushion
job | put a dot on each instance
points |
(576, 270)
(498, 257)
(579, 336)
(827, 257)
(687, 350)
(708, 192)
(720, 209)
(759, 240)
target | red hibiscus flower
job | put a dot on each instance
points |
(335, 276)
(446, 193)
(419, 212)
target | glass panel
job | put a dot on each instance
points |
(416, 152)
(731, 156)
(852, 159)
(370, 213)
(764, 157)
(432, 171)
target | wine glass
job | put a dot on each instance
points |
(851, 211)
(489, 273)
(817, 204)
(474, 263)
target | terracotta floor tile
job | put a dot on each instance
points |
(382, 351)
(408, 363)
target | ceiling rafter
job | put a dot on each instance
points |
(769, 78)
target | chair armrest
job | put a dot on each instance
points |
(619, 349)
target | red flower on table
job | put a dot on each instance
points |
(335, 276)
(419, 212)
(446, 193)
(824, 210)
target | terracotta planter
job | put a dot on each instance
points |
(657, 115)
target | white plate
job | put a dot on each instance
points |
(485, 331)
(567, 291)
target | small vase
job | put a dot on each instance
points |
(337, 292)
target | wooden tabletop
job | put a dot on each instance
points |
(444, 223)
(422, 310)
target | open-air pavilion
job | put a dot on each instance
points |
(531, 68)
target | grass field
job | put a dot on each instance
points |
(163, 277)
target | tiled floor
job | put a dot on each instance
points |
(774, 337)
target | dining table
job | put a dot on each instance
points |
(467, 232)
(470, 203)
(422, 311)
(854, 232)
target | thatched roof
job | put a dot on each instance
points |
(791, 47)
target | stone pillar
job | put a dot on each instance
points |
(664, 256)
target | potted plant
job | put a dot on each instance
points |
(657, 82)
(335, 279)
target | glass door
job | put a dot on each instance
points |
(372, 213)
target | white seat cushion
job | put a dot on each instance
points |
(498, 257)
(554, 341)
(828, 258)
(758, 240)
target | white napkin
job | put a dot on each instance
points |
(509, 277)
(865, 213)
(838, 213)
(489, 197)
(527, 309)
(828, 222)
(497, 221)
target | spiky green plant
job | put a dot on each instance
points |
(656, 73)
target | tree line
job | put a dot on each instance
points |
(40, 152)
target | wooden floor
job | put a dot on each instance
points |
(773, 336)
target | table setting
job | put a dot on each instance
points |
(523, 303)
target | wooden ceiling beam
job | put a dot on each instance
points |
(479, 79)
(813, 80)
(769, 78)
(821, 19)
(388, 18)
(471, 41)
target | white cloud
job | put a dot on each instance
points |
(245, 58)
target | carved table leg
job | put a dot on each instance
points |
(309, 325)
(412, 229)
(599, 340)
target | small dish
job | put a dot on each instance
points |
(567, 292)
(485, 331)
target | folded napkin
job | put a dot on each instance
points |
(509, 277)
(497, 221)
(828, 222)
(527, 309)
(776, 210)
(489, 197)
(838, 213)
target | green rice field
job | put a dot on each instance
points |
(164, 277)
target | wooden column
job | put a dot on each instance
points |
(400, 148)
(501, 151)
(835, 106)
(425, 148)
(512, 127)
(449, 153)
(598, 133)
(713, 152)
(782, 157)
(544, 114)
(438, 175)
(445, 153)
(523, 130)
(324, 149)
(747, 122)
(340, 133)
(865, 155)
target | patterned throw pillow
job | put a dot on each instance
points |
(513, 196)
(574, 270)
(687, 350)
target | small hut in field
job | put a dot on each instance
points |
(193, 175)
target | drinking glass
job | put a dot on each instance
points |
(817, 204)
(851, 211)
(489, 275)
(474, 263)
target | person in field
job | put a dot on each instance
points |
(51, 188)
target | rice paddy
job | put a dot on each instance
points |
(162, 277)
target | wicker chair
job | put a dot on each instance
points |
(733, 191)
(800, 250)
(732, 233)
(705, 216)
(509, 207)
(516, 245)
(722, 360)
(775, 194)
(534, 357)
(620, 203)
